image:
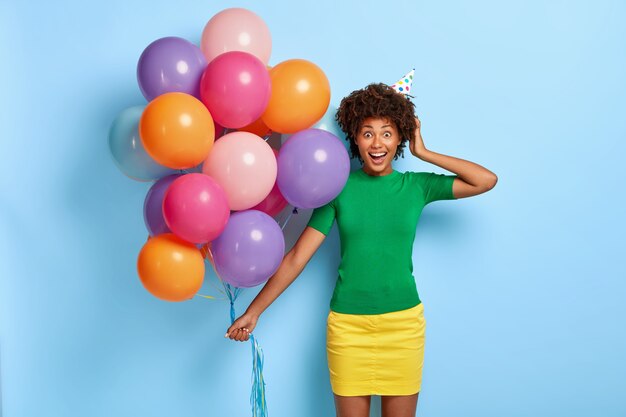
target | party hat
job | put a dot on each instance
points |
(404, 84)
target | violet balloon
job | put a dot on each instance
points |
(313, 167)
(170, 64)
(249, 250)
(236, 88)
(195, 208)
(328, 123)
(153, 206)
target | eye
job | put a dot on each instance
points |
(387, 135)
(367, 135)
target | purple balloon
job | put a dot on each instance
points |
(249, 250)
(153, 206)
(313, 167)
(168, 65)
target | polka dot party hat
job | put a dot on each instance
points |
(404, 84)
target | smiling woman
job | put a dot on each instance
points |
(376, 327)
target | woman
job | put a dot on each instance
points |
(376, 326)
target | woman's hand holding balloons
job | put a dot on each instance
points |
(242, 327)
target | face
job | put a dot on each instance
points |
(377, 140)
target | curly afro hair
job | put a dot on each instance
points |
(380, 101)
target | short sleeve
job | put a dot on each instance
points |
(435, 186)
(323, 217)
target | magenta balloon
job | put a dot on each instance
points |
(236, 88)
(168, 65)
(219, 130)
(274, 203)
(249, 250)
(313, 167)
(195, 208)
(153, 206)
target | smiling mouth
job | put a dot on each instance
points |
(377, 157)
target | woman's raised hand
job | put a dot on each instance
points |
(417, 145)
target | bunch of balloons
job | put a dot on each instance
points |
(202, 139)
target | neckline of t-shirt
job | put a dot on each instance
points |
(393, 174)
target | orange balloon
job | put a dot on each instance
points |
(177, 130)
(300, 96)
(170, 268)
(257, 127)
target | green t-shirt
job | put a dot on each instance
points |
(377, 220)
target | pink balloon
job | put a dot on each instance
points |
(236, 88)
(236, 29)
(195, 208)
(274, 203)
(245, 166)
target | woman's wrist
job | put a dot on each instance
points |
(252, 312)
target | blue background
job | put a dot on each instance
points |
(523, 286)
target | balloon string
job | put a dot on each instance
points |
(213, 285)
(209, 259)
(257, 394)
(206, 296)
(294, 211)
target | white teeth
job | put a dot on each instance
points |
(378, 154)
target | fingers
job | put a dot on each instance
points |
(244, 335)
(231, 329)
(239, 334)
(241, 328)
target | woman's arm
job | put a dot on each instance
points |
(473, 179)
(290, 268)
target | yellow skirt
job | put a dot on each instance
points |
(377, 354)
